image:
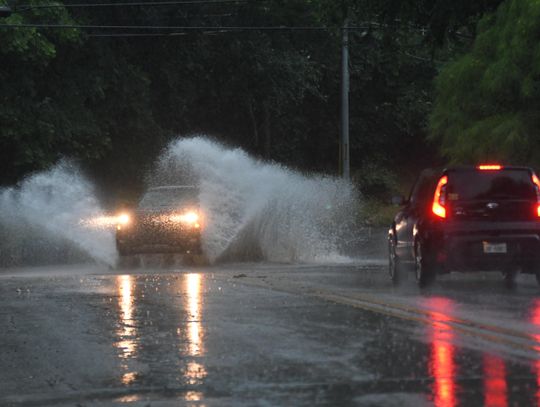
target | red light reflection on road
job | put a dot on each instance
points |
(441, 365)
(537, 370)
(535, 319)
(495, 387)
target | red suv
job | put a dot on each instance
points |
(466, 219)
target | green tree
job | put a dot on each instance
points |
(488, 101)
(27, 112)
(66, 95)
(114, 102)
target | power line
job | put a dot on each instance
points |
(26, 7)
(181, 28)
(171, 34)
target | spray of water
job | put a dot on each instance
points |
(260, 211)
(253, 210)
(50, 210)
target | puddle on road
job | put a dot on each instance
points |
(180, 332)
(440, 370)
(143, 329)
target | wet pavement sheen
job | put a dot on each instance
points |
(266, 335)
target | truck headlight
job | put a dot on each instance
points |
(122, 220)
(190, 218)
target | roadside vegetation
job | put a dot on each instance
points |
(487, 101)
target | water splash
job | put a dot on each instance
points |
(254, 210)
(260, 211)
(47, 211)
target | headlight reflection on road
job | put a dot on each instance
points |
(193, 288)
(194, 396)
(193, 284)
(127, 332)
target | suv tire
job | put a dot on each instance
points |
(509, 276)
(423, 266)
(537, 274)
(395, 268)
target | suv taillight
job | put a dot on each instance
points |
(536, 182)
(439, 198)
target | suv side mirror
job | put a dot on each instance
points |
(398, 200)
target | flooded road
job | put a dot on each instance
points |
(265, 334)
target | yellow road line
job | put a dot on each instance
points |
(451, 325)
(486, 327)
(509, 337)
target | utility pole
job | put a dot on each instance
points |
(345, 163)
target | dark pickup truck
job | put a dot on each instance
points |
(166, 220)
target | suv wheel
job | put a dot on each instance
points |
(509, 276)
(394, 266)
(425, 274)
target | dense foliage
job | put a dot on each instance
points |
(488, 100)
(114, 102)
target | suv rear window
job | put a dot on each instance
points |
(422, 191)
(487, 185)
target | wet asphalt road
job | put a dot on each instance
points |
(265, 334)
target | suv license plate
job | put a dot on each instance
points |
(494, 247)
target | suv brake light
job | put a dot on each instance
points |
(489, 167)
(439, 198)
(536, 182)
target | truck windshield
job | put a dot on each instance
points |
(488, 185)
(168, 197)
